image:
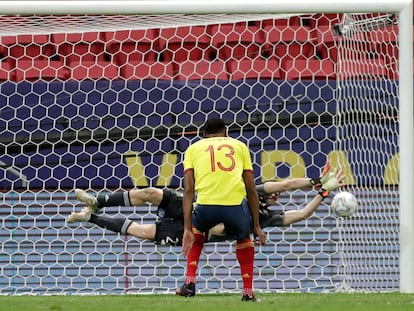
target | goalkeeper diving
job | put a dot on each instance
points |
(169, 227)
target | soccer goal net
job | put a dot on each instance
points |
(110, 102)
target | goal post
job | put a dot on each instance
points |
(130, 129)
(406, 151)
(200, 7)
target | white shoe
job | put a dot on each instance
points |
(89, 200)
(83, 216)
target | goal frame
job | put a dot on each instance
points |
(404, 8)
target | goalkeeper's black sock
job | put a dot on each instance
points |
(114, 199)
(119, 225)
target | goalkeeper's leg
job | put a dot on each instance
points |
(116, 224)
(135, 197)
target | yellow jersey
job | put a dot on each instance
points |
(218, 164)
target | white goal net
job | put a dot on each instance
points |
(108, 103)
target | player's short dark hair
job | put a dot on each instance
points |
(213, 126)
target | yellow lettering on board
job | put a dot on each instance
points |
(270, 160)
(391, 173)
(136, 170)
(166, 170)
(339, 160)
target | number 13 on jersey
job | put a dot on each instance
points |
(222, 157)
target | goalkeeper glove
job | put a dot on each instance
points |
(332, 182)
(318, 181)
(323, 193)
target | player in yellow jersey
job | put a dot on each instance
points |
(219, 169)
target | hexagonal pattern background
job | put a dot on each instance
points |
(113, 109)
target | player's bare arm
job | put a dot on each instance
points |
(333, 181)
(188, 199)
(297, 183)
(286, 185)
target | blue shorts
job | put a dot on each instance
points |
(236, 219)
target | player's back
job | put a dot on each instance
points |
(218, 164)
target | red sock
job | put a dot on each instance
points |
(194, 256)
(245, 256)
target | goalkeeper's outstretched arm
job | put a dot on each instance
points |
(333, 181)
(295, 183)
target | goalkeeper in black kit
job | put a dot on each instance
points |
(168, 229)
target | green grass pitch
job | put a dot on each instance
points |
(226, 302)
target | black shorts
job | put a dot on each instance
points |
(171, 205)
(169, 231)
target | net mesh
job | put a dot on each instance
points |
(109, 103)
(46, 24)
(368, 122)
